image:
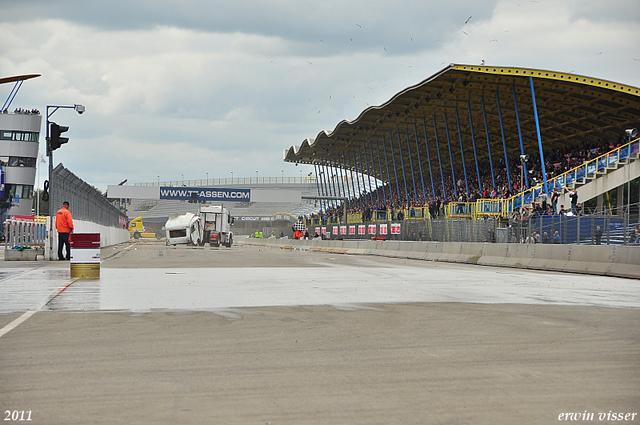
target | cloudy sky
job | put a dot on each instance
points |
(195, 87)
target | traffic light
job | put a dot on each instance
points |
(55, 141)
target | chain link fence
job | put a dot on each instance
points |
(558, 229)
(85, 202)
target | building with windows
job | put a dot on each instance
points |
(19, 147)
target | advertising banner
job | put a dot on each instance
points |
(372, 229)
(395, 228)
(335, 230)
(324, 230)
(361, 229)
(205, 194)
(343, 230)
(352, 230)
(383, 229)
(317, 230)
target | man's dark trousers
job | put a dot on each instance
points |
(63, 240)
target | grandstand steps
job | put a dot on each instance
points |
(602, 181)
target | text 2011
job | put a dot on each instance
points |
(17, 415)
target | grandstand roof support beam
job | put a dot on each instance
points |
(473, 141)
(413, 176)
(535, 114)
(386, 160)
(424, 193)
(504, 142)
(404, 175)
(486, 130)
(435, 128)
(384, 196)
(393, 157)
(426, 142)
(356, 195)
(344, 193)
(464, 165)
(373, 167)
(364, 184)
(523, 163)
(315, 168)
(453, 173)
(332, 179)
(366, 163)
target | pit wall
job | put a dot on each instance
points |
(606, 260)
(108, 235)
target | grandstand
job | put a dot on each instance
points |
(483, 142)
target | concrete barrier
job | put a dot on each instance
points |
(550, 257)
(434, 250)
(418, 250)
(591, 259)
(625, 262)
(471, 253)
(404, 249)
(494, 254)
(621, 261)
(519, 255)
(390, 248)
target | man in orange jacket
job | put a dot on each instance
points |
(64, 226)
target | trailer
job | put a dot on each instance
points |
(185, 229)
(217, 225)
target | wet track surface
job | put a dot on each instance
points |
(293, 279)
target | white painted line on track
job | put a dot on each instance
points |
(23, 318)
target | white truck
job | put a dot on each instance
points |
(217, 225)
(187, 228)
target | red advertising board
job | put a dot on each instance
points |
(372, 229)
(383, 229)
(343, 230)
(352, 230)
(395, 228)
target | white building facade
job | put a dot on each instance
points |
(19, 147)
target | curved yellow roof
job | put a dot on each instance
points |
(571, 108)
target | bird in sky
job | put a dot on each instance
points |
(468, 19)
(493, 40)
(464, 33)
(359, 26)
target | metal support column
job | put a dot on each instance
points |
(535, 114)
(473, 141)
(426, 142)
(413, 175)
(366, 163)
(524, 164)
(424, 193)
(384, 195)
(364, 184)
(435, 128)
(373, 167)
(464, 165)
(395, 170)
(453, 173)
(404, 175)
(486, 131)
(504, 142)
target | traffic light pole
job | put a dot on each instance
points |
(80, 109)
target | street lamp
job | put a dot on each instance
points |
(80, 110)
(256, 176)
(232, 177)
(523, 160)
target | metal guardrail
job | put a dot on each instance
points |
(231, 181)
(24, 233)
(504, 207)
